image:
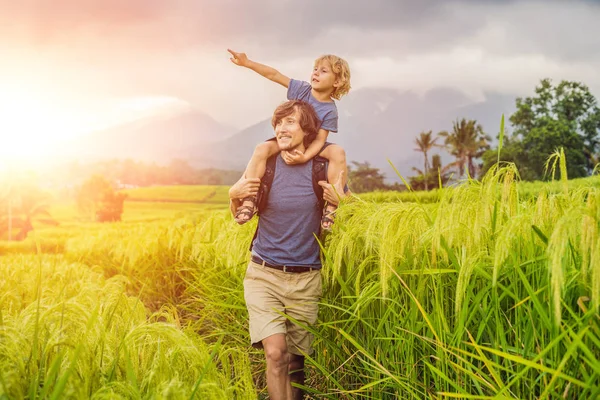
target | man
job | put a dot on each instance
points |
(283, 277)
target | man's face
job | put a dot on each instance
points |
(288, 132)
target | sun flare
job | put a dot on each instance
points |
(34, 126)
(30, 125)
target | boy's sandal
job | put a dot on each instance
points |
(326, 220)
(249, 211)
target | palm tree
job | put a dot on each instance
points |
(466, 142)
(425, 143)
(437, 174)
(25, 205)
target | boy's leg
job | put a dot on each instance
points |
(255, 169)
(258, 163)
(337, 163)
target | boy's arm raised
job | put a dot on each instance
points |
(268, 72)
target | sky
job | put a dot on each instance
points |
(72, 66)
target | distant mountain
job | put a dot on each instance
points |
(376, 124)
(159, 139)
(380, 124)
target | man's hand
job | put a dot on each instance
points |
(244, 187)
(294, 157)
(333, 193)
(239, 58)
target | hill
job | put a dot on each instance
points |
(376, 124)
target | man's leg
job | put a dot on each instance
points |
(303, 307)
(297, 375)
(278, 363)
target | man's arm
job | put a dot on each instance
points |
(268, 72)
(244, 187)
(334, 193)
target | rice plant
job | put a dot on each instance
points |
(492, 290)
(70, 333)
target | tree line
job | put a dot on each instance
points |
(564, 115)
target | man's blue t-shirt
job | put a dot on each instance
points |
(287, 225)
(326, 111)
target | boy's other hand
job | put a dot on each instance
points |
(294, 157)
(238, 58)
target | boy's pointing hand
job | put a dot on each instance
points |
(238, 58)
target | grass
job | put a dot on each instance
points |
(490, 291)
(71, 333)
(180, 194)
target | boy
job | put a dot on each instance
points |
(330, 80)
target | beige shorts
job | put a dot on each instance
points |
(271, 294)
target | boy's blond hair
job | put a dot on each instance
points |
(340, 68)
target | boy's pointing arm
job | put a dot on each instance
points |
(268, 72)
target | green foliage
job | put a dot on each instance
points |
(565, 115)
(67, 332)
(390, 196)
(364, 178)
(466, 142)
(425, 143)
(489, 291)
(97, 200)
(23, 204)
(436, 177)
(208, 194)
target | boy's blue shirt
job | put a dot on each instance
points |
(327, 112)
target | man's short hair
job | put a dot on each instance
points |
(309, 122)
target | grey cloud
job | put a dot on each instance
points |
(181, 23)
(561, 30)
(285, 27)
(137, 47)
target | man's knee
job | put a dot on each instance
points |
(277, 356)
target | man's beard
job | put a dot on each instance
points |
(289, 146)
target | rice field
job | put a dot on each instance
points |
(490, 291)
(180, 194)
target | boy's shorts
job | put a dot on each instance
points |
(271, 294)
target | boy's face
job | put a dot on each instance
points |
(322, 77)
(288, 132)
